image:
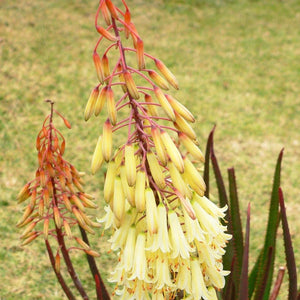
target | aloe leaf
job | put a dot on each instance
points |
(270, 239)
(253, 275)
(219, 178)
(223, 199)
(229, 292)
(264, 280)
(236, 218)
(243, 288)
(277, 284)
(207, 158)
(289, 252)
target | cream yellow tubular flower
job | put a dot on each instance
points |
(128, 254)
(161, 239)
(193, 230)
(179, 243)
(139, 262)
(183, 279)
(199, 290)
(162, 278)
(151, 212)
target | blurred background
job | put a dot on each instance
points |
(238, 66)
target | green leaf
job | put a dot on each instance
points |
(253, 274)
(289, 252)
(270, 239)
(243, 288)
(236, 218)
(230, 250)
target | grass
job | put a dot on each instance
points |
(238, 66)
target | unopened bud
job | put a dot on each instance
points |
(111, 107)
(100, 101)
(118, 199)
(46, 228)
(158, 80)
(172, 151)
(89, 109)
(130, 165)
(57, 217)
(151, 212)
(131, 86)
(180, 109)
(182, 125)
(57, 263)
(151, 106)
(156, 170)
(164, 103)
(105, 64)
(105, 13)
(127, 19)
(112, 9)
(106, 34)
(167, 73)
(107, 140)
(109, 181)
(140, 54)
(159, 146)
(98, 66)
(140, 191)
(191, 147)
(98, 158)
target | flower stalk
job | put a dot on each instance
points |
(153, 189)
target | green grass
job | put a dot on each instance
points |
(238, 66)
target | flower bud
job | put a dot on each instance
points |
(46, 228)
(172, 151)
(106, 34)
(24, 193)
(180, 109)
(191, 147)
(118, 199)
(182, 125)
(178, 181)
(107, 140)
(127, 19)
(111, 107)
(156, 170)
(105, 64)
(131, 86)
(140, 54)
(105, 13)
(109, 181)
(89, 109)
(193, 178)
(57, 217)
(159, 146)
(112, 9)
(98, 158)
(100, 101)
(140, 191)
(98, 66)
(130, 165)
(151, 212)
(164, 103)
(129, 191)
(167, 73)
(57, 263)
(158, 80)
